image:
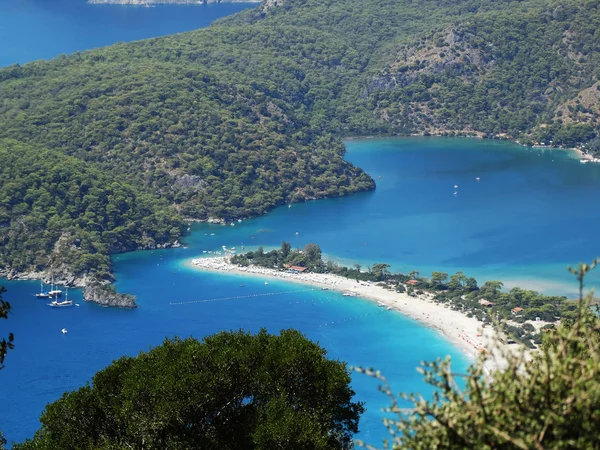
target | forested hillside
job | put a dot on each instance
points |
(54, 210)
(232, 120)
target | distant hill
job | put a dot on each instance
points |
(232, 120)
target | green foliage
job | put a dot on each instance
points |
(232, 391)
(309, 257)
(56, 210)
(549, 400)
(5, 344)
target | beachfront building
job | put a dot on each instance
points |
(294, 269)
(517, 310)
(484, 302)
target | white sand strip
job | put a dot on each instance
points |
(465, 332)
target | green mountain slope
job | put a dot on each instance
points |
(56, 211)
(248, 114)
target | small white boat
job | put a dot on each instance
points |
(57, 304)
(380, 304)
(289, 206)
(212, 234)
(239, 220)
(388, 308)
(455, 192)
(456, 186)
(266, 282)
(324, 289)
(42, 294)
(64, 331)
(203, 251)
(297, 233)
(478, 178)
(348, 294)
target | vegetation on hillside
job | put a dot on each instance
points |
(231, 391)
(57, 212)
(549, 400)
(248, 114)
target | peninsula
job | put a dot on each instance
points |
(456, 306)
(466, 333)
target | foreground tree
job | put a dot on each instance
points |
(231, 391)
(5, 344)
(550, 400)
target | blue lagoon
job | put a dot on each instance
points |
(523, 222)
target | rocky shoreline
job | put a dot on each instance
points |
(106, 295)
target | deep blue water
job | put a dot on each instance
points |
(530, 215)
(42, 29)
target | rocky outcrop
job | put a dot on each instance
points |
(60, 276)
(106, 295)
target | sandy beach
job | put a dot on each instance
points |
(464, 332)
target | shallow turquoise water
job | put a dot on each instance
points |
(42, 29)
(530, 216)
(526, 219)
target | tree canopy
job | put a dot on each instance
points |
(5, 344)
(233, 390)
(546, 400)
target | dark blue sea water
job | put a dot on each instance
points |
(530, 215)
(42, 29)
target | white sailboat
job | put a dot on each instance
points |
(42, 294)
(64, 303)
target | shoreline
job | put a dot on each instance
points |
(466, 333)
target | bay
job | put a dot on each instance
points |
(523, 222)
(42, 29)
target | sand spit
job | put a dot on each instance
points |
(465, 332)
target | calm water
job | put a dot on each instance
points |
(43, 29)
(524, 221)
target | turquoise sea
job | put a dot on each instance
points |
(528, 217)
(42, 29)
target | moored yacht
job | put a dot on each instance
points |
(42, 294)
(62, 304)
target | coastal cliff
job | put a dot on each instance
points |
(165, 2)
(107, 296)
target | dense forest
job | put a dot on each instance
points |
(232, 120)
(56, 211)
